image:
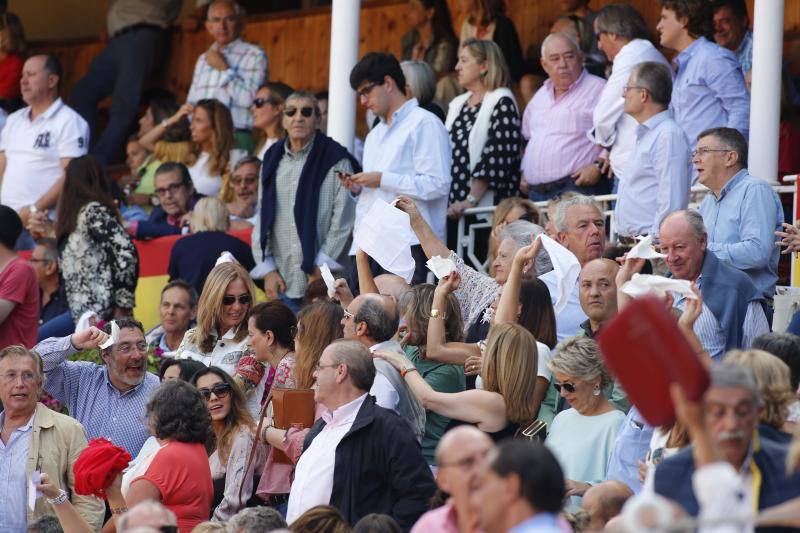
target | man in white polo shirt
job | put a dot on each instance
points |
(37, 142)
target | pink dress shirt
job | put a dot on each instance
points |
(441, 520)
(556, 130)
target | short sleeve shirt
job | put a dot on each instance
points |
(34, 149)
(18, 284)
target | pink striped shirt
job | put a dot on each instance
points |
(556, 130)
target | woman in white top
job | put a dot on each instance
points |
(220, 338)
(212, 145)
(267, 112)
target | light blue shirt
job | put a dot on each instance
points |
(741, 225)
(658, 177)
(745, 52)
(709, 90)
(92, 400)
(14, 478)
(632, 444)
(569, 320)
(538, 523)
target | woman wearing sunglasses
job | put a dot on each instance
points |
(234, 433)
(267, 109)
(220, 338)
(582, 437)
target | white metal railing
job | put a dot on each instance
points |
(466, 234)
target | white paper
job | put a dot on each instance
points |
(327, 277)
(33, 493)
(644, 249)
(642, 284)
(113, 338)
(87, 320)
(385, 235)
(440, 266)
(566, 268)
(225, 257)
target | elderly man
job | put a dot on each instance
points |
(407, 153)
(604, 501)
(109, 400)
(709, 87)
(622, 35)
(521, 489)
(743, 211)
(729, 419)
(38, 142)
(35, 439)
(358, 457)
(733, 314)
(244, 180)
(372, 320)
(231, 70)
(559, 157)
(658, 175)
(176, 197)
(460, 456)
(177, 311)
(306, 217)
(257, 520)
(731, 30)
(147, 515)
(52, 300)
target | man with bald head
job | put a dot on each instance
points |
(460, 456)
(733, 312)
(604, 501)
(372, 320)
(597, 288)
(559, 156)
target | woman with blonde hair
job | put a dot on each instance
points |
(193, 256)
(484, 126)
(772, 378)
(509, 373)
(221, 338)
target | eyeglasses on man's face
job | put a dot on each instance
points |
(172, 189)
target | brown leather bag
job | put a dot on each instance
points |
(291, 408)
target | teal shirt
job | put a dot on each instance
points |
(442, 378)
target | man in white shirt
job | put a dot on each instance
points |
(372, 320)
(38, 142)
(407, 153)
(622, 35)
(358, 457)
(231, 70)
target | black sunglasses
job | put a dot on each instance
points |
(220, 390)
(244, 299)
(305, 111)
(569, 387)
(258, 103)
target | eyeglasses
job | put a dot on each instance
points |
(250, 180)
(569, 387)
(626, 88)
(172, 188)
(467, 462)
(319, 367)
(306, 111)
(11, 377)
(126, 348)
(220, 390)
(229, 299)
(702, 152)
(366, 89)
(258, 103)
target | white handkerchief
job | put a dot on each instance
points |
(440, 267)
(33, 493)
(87, 320)
(385, 235)
(566, 267)
(225, 257)
(327, 277)
(642, 284)
(113, 338)
(644, 249)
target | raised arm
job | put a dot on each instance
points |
(508, 308)
(149, 139)
(437, 348)
(431, 244)
(366, 282)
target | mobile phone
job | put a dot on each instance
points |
(342, 175)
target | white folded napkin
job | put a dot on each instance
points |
(87, 320)
(566, 268)
(225, 257)
(642, 284)
(113, 338)
(385, 235)
(440, 266)
(644, 249)
(327, 277)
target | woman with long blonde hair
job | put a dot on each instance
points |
(213, 149)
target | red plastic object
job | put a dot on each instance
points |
(646, 351)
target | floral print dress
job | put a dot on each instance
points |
(99, 263)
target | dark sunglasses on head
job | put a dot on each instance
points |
(305, 111)
(220, 390)
(569, 387)
(258, 103)
(228, 299)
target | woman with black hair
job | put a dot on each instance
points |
(183, 369)
(431, 38)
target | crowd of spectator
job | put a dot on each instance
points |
(323, 360)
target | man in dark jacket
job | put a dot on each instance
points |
(358, 457)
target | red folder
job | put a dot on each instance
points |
(644, 349)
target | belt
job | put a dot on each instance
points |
(544, 188)
(136, 27)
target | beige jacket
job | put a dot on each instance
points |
(56, 443)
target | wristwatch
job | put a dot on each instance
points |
(472, 200)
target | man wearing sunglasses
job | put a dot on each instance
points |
(407, 153)
(176, 196)
(305, 217)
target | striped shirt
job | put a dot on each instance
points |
(92, 400)
(235, 87)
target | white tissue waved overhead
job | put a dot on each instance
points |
(440, 266)
(385, 235)
(643, 284)
(114, 338)
(327, 277)
(566, 269)
(644, 249)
